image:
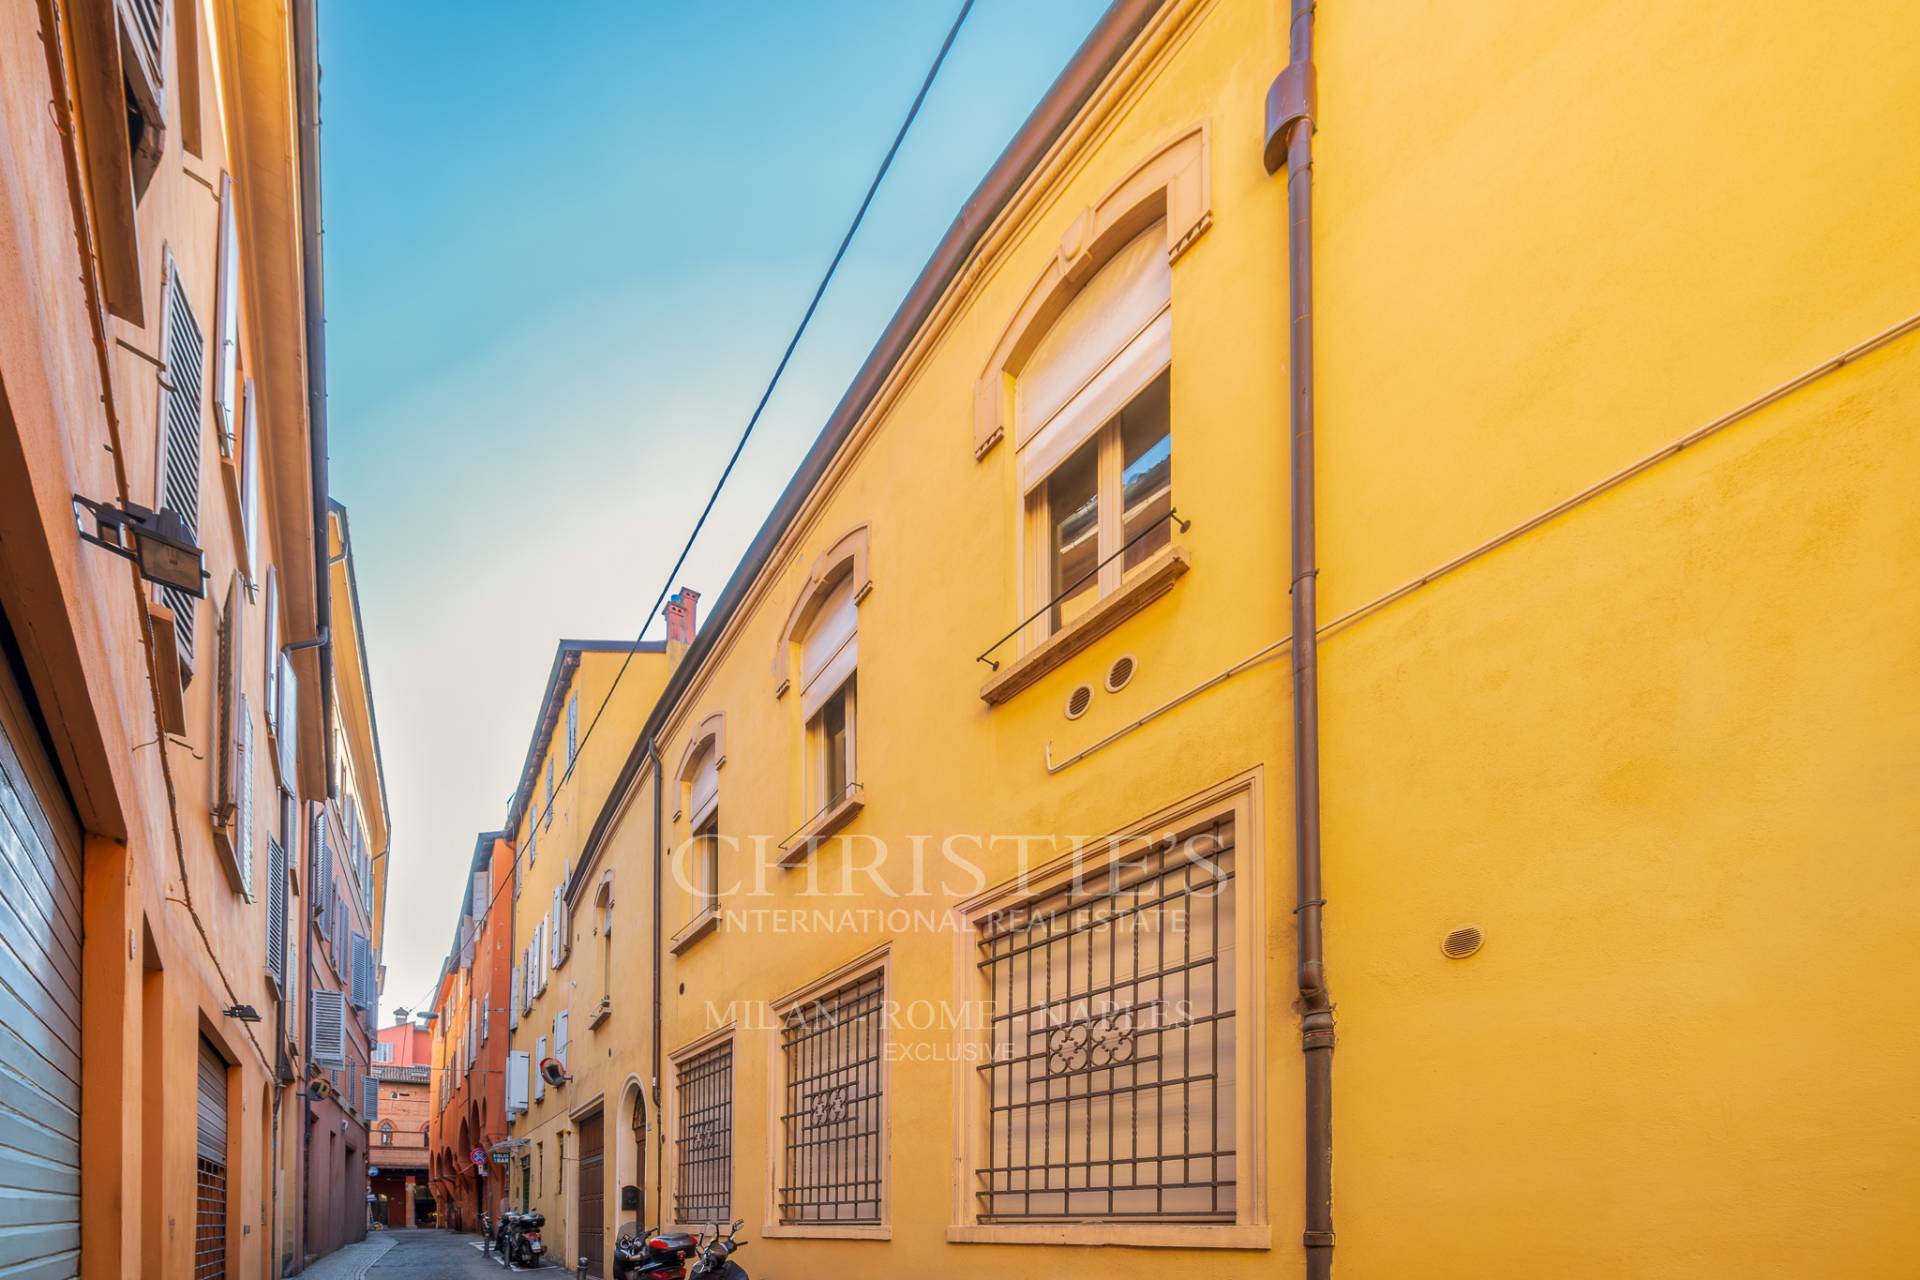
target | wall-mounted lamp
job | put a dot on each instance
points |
(158, 541)
(243, 1012)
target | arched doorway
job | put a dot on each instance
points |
(630, 1142)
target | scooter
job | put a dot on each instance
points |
(716, 1256)
(652, 1255)
(502, 1232)
(525, 1249)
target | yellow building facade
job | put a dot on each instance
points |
(972, 808)
(559, 978)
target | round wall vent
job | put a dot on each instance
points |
(1079, 700)
(1461, 943)
(1119, 673)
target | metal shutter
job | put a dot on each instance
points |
(210, 1201)
(180, 434)
(39, 1004)
(329, 1032)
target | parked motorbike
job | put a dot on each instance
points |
(652, 1255)
(716, 1256)
(523, 1247)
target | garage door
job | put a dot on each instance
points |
(593, 1194)
(39, 1004)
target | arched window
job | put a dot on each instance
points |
(1081, 384)
(386, 1133)
(699, 781)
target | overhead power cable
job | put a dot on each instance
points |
(759, 408)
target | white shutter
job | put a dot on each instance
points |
(513, 1000)
(226, 320)
(329, 1032)
(287, 687)
(272, 672)
(250, 480)
(243, 816)
(516, 1080)
(486, 1016)
(539, 1056)
(479, 908)
(706, 786)
(573, 726)
(560, 1036)
(828, 654)
(1113, 338)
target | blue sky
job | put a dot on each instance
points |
(562, 260)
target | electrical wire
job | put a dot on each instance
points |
(753, 420)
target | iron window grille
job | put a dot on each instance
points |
(1110, 1085)
(833, 1047)
(704, 1189)
(209, 1219)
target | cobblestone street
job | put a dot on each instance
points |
(425, 1254)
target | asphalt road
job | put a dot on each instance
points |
(431, 1254)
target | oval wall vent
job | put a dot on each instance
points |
(1079, 700)
(1461, 943)
(1119, 673)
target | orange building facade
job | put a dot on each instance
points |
(469, 1045)
(397, 1176)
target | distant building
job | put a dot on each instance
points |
(398, 1155)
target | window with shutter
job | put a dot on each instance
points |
(328, 1036)
(560, 1036)
(226, 708)
(226, 323)
(287, 688)
(244, 818)
(539, 1056)
(513, 1000)
(486, 1016)
(370, 1108)
(183, 381)
(361, 958)
(573, 727)
(478, 910)
(517, 1069)
(548, 820)
(270, 674)
(277, 913)
(250, 479)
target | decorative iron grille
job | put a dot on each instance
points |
(704, 1192)
(833, 1046)
(1110, 1085)
(210, 1221)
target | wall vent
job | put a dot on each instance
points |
(1079, 700)
(1461, 943)
(1119, 673)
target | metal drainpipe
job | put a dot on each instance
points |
(1290, 123)
(658, 1129)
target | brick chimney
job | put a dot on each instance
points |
(682, 614)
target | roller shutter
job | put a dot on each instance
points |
(210, 1151)
(39, 1004)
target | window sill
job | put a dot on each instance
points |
(1136, 1234)
(1148, 584)
(825, 1231)
(797, 847)
(699, 927)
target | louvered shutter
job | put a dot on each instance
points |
(560, 1036)
(320, 888)
(517, 1080)
(573, 727)
(329, 1030)
(370, 1108)
(362, 960)
(547, 819)
(486, 1016)
(226, 708)
(554, 952)
(243, 820)
(277, 913)
(226, 322)
(479, 908)
(539, 1056)
(513, 1000)
(184, 382)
